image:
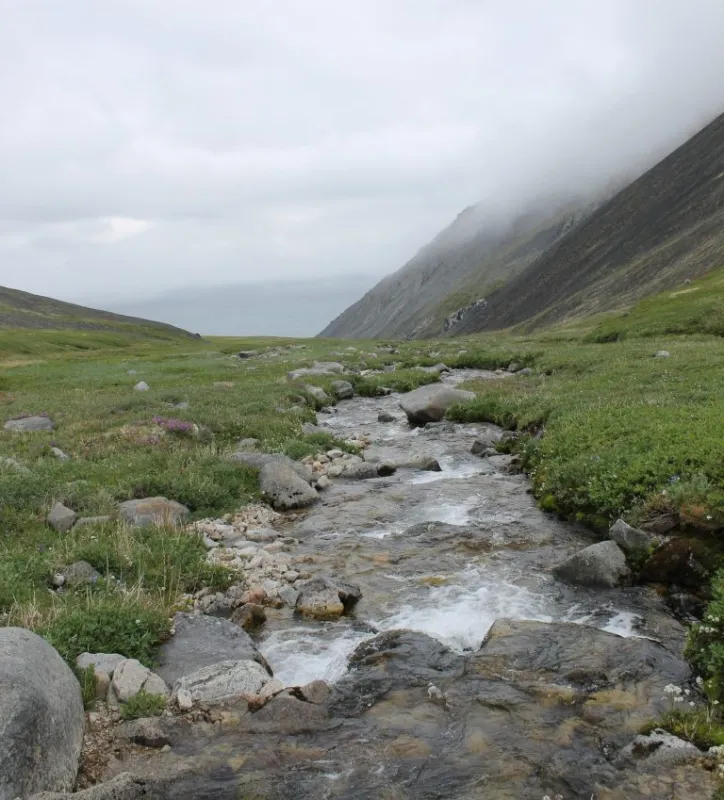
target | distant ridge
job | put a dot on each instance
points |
(20, 309)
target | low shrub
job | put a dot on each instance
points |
(143, 704)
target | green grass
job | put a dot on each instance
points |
(143, 704)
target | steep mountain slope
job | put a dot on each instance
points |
(664, 228)
(462, 264)
(24, 310)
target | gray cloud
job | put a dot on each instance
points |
(149, 144)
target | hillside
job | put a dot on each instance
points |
(22, 310)
(465, 262)
(663, 229)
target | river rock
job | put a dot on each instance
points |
(249, 616)
(41, 717)
(386, 468)
(429, 403)
(324, 598)
(631, 540)
(29, 424)
(385, 416)
(316, 692)
(317, 393)
(342, 390)
(223, 681)
(61, 518)
(359, 471)
(259, 460)
(79, 573)
(485, 440)
(152, 511)
(200, 641)
(130, 677)
(284, 489)
(423, 461)
(601, 564)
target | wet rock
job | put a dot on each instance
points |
(385, 416)
(342, 390)
(223, 681)
(322, 483)
(41, 717)
(288, 595)
(316, 692)
(147, 731)
(317, 393)
(61, 518)
(485, 440)
(423, 462)
(79, 574)
(661, 748)
(385, 468)
(200, 641)
(679, 561)
(429, 403)
(142, 386)
(284, 489)
(601, 564)
(360, 471)
(391, 661)
(685, 605)
(631, 540)
(158, 511)
(130, 677)
(29, 424)
(249, 616)
(324, 598)
(260, 460)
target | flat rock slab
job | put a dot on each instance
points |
(200, 641)
(29, 424)
(284, 489)
(41, 717)
(153, 511)
(223, 682)
(429, 403)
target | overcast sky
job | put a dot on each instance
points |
(152, 144)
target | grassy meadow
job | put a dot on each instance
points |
(606, 430)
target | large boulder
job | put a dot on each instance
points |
(342, 390)
(29, 424)
(429, 403)
(631, 540)
(221, 682)
(200, 641)
(317, 393)
(284, 489)
(259, 460)
(601, 564)
(152, 511)
(325, 598)
(41, 717)
(61, 518)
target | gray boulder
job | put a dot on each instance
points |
(485, 440)
(41, 717)
(359, 471)
(130, 678)
(152, 511)
(284, 489)
(429, 403)
(61, 518)
(78, 574)
(385, 416)
(200, 641)
(317, 393)
(259, 460)
(602, 564)
(142, 386)
(29, 424)
(59, 454)
(325, 598)
(630, 540)
(423, 461)
(342, 390)
(386, 467)
(222, 681)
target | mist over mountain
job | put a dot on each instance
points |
(271, 308)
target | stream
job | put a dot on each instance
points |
(427, 714)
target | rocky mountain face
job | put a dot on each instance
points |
(460, 266)
(663, 229)
(559, 261)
